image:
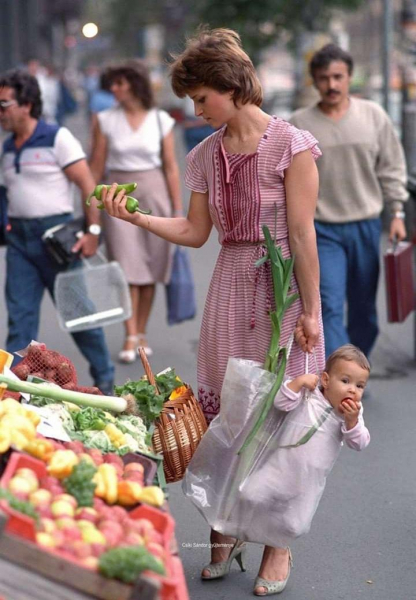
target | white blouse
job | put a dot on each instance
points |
(134, 149)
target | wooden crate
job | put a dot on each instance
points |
(26, 571)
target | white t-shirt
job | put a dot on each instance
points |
(36, 184)
(134, 150)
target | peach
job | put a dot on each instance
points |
(45, 511)
(91, 535)
(61, 508)
(156, 549)
(84, 524)
(133, 539)
(98, 549)
(21, 485)
(27, 473)
(45, 539)
(90, 562)
(120, 514)
(134, 466)
(47, 525)
(134, 476)
(81, 549)
(40, 497)
(86, 513)
(66, 498)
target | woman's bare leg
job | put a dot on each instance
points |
(221, 546)
(274, 566)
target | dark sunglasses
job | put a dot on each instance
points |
(4, 104)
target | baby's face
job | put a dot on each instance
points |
(346, 381)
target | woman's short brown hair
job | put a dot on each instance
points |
(215, 59)
(137, 74)
(348, 352)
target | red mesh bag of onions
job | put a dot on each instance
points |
(47, 364)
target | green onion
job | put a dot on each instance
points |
(311, 431)
(276, 357)
(56, 393)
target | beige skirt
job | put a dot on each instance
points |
(144, 257)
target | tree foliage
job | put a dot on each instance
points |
(259, 23)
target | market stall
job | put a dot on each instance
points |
(83, 496)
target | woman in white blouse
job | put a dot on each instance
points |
(134, 142)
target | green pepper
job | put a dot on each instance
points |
(127, 187)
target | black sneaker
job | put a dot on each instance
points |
(106, 387)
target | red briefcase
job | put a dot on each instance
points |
(400, 291)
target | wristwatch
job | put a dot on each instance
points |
(94, 229)
(398, 214)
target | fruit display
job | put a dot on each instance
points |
(42, 508)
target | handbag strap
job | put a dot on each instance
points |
(159, 125)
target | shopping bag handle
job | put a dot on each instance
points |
(86, 263)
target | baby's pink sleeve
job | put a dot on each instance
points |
(286, 399)
(358, 437)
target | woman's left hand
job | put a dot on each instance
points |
(115, 205)
(307, 332)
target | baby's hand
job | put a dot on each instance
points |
(350, 409)
(310, 381)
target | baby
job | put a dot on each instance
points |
(289, 476)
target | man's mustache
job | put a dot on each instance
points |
(331, 92)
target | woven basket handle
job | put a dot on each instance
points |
(147, 368)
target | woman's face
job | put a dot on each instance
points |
(121, 89)
(215, 107)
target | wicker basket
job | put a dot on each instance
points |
(178, 430)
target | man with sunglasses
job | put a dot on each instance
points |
(39, 163)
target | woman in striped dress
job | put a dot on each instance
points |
(255, 170)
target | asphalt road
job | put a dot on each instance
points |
(362, 541)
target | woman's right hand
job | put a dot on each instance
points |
(307, 332)
(115, 205)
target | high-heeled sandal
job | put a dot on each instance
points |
(141, 338)
(220, 569)
(129, 356)
(273, 587)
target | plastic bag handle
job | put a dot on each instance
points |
(85, 261)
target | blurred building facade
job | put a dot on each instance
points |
(35, 29)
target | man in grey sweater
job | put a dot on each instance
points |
(362, 166)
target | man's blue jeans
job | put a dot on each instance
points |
(31, 270)
(349, 264)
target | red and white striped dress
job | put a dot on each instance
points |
(246, 191)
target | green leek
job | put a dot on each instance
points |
(60, 395)
(276, 357)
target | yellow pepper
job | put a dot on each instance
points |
(152, 494)
(61, 463)
(106, 481)
(10, 405)
(114, 434)
(5, 440)
(18, 439)
(128, 493)
(40, 448)
(177, 392)
(15, 421)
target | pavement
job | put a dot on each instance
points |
(362, 541)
